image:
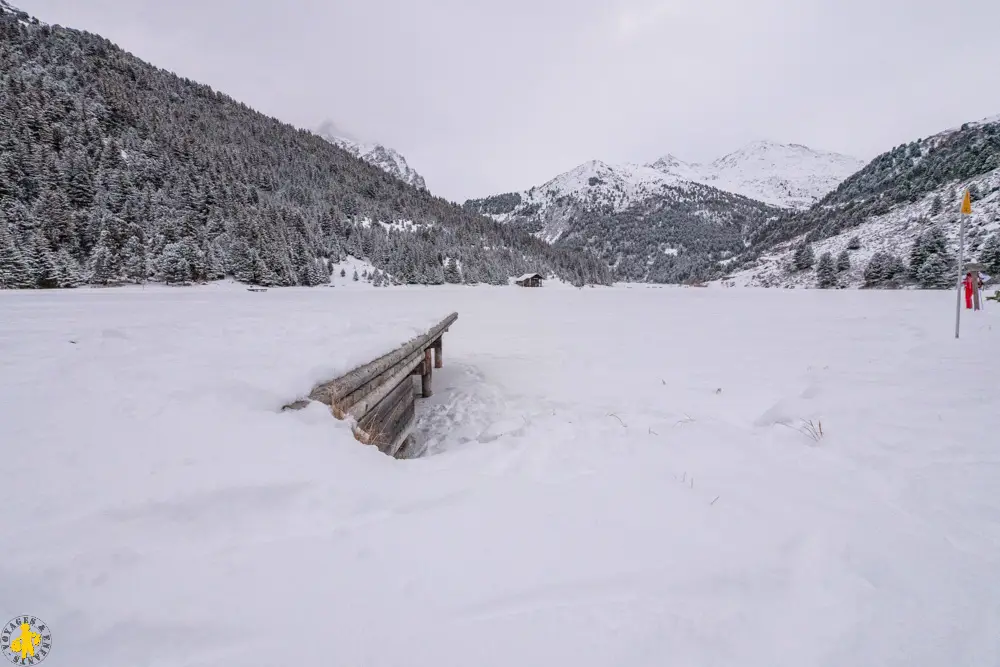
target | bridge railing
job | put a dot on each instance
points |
(379, 396)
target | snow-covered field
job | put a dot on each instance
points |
(616, 479)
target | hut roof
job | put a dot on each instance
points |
(528, 275)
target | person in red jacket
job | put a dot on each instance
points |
(967, 283)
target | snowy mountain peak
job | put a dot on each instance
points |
(668, 163)
(785, 175)
(386, 159)
(618, 185)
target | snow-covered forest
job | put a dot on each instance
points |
(114, 171)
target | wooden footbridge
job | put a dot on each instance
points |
(379, 397)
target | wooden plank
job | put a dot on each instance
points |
(438, 347)
(378, 415)
(383, 433)
(359, 409)
(352, 380)
(405, 431)
(425, 379)
(341, 406)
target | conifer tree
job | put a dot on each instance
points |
(843, 261)
(41, 262)
(936, 272)
(804, 257)
(135, 266)
(70, 274)
(173, 264)
(990, 255)
(14, 272)
(451, 272)
(826, 271)
(102, 262)
(883, 270)
(936, 205)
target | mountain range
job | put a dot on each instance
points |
(670, 221)
(783, 175)
(114, 171)
(387, 159)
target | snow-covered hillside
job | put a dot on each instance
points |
(893, 233)
(647, 224)
(386, 159)
(784, 175)
(592, 186)
(888, 205)
(780, 175)
(630, 490)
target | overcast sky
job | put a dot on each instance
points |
(487, 97)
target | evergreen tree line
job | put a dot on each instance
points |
(931, 263)
(114, 171)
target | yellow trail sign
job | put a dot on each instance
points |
(967, 203)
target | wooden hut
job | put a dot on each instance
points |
(529, 280)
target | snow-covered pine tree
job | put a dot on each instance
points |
(826, 271)
(990, 256)
(804, 258)
(883, 270)
(215, 268)
(173, 265)
(843, 261)
(451, 272)
(936, 205)
(932, 244)
(14, 272)
(936, 272)
(135, 265)
(70, 274)
(102, 262)
(355, 278)
(42, 263)
(316, 273)
(243, 261)
(343, 273)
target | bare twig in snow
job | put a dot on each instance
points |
(652, 432)
(687, 419)
(611, 414)
(713, 501)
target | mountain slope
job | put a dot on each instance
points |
(670, 221)
(649, 225)
(784, 175)
(895, 199)
(112, 170)
(386, 159)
